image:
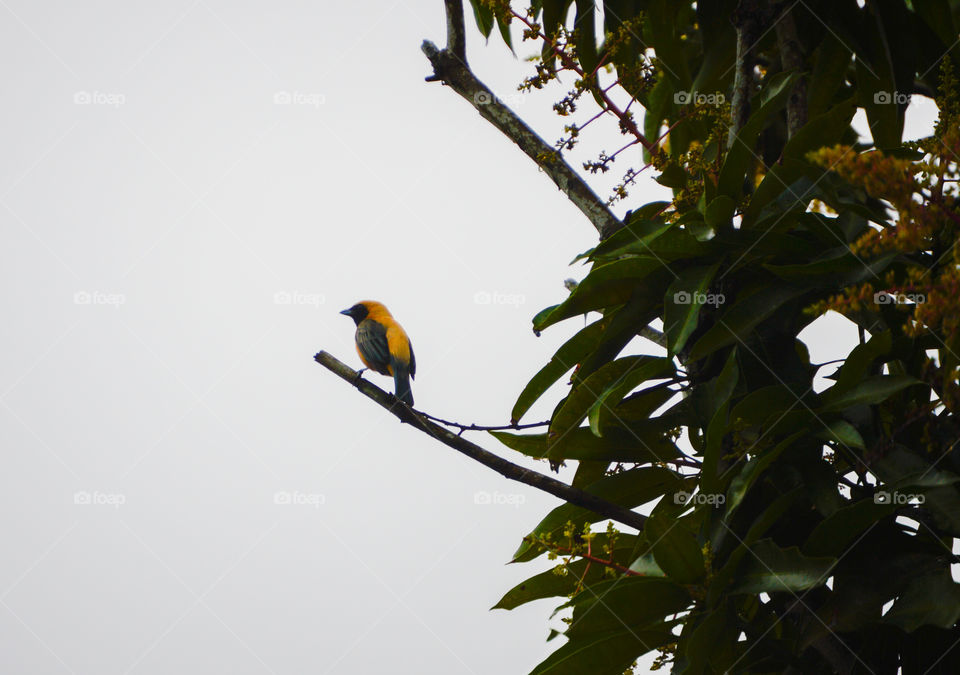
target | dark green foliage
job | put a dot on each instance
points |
(777, 535)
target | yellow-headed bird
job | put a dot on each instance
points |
(383, 345)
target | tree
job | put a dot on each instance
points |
(795, 528)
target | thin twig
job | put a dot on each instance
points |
(626, 121)
(481, 427)
(590, 557)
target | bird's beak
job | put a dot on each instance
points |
(345, 312)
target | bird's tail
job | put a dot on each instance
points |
(401, 381)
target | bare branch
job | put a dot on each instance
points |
(451, 68)
(482, 427)
(456, 33)
(473, 451)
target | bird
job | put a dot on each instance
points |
(383, 345)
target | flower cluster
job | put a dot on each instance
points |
(919, 192)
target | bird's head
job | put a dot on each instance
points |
(362, 310)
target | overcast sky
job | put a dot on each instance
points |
(189, 193)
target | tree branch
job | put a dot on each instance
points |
(451, 68)
(456, 33)
(792, 58)
(506, 469)
(747, 19)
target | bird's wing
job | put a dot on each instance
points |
(413, 360)
(372, 343)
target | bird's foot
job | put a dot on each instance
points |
(359, 376)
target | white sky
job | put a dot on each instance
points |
(158, 208)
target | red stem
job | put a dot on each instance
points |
(572, 65)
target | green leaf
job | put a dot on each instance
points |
(584, 35)
(589, 472)
(617, 445)
(834, 533)
(554, 14)
(717, 413)
(636, 237)
(682, 304)
(771, 569)
(859, 362)
(944, 504)
(504, 27)
(608, 284)
(617, 378)
(484, 16)
(637, 602)
(603, 412)
(646, 565)
(703, 646)
(871, 391)
(752, 470)
(741, 153)
(667, 244)
(570, 354)
(746, 246)
(746, 314)
(722, 388)
(661, 31)
(719, 211)
(829, 72)
(877, 88)
(672, 176)
(625, 322)
(531, 445)
(608, 653)
(548, 584)
(658, 103)
(844, 269)
(675, 548)
(767, 518)
(642, 404)
(825, 130)
(763, 404)
(937, 16)
(929, 600)
(629, 489)
(900, 467)
(565, 579)
(844, 433)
